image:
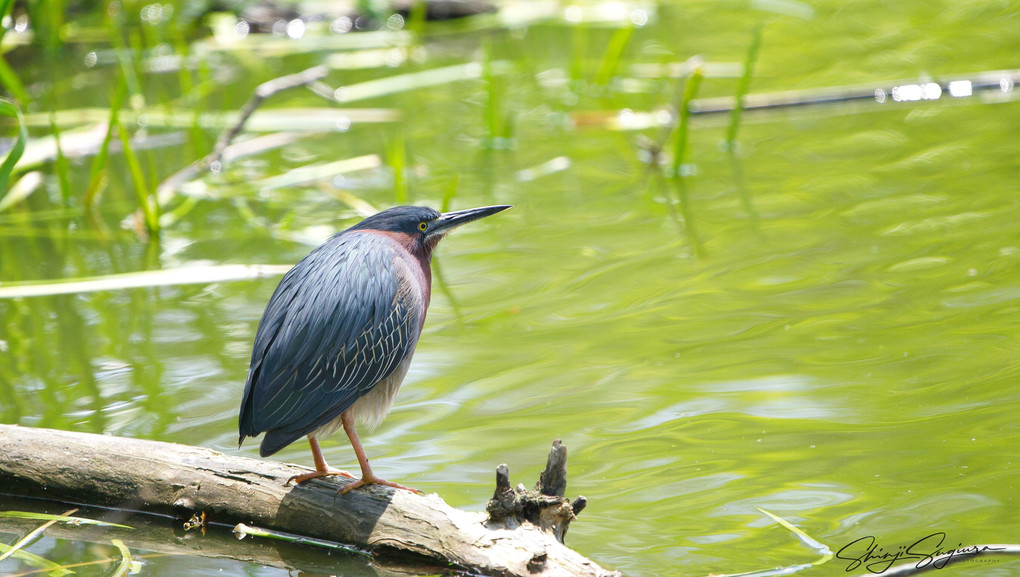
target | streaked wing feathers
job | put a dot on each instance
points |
(337, 324)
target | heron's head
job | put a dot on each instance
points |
(422, 226)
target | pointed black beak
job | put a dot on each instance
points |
(451, 220)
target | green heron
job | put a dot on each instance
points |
(337, 336)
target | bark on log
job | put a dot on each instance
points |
(179, 481)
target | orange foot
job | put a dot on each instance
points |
(373, 480)
(316, 474)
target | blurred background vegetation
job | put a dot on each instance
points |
(764, 253)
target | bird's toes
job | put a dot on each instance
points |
(298, 479)
(375, 481)
(339, 473)
(351, 486)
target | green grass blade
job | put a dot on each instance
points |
(684, 118)
(304, 175)
(165, 277)
(416, 19)
(27, 539)
(21, 189)
(61, 166)
(59, 518)
(8, 108)
(416, 81)
(614, 54)
(819, 547)
(9, 80)
(305, 118)
(97, 172)
(126, 561)
(41, 563)
(744, 86)
(146, 200)
(360, 205)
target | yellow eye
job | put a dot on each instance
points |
(423, 226)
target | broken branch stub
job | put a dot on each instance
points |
(553, 480)
(545, 506)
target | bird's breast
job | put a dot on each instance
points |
(414, 275)
(413, 283)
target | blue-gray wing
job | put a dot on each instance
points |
(338, 323)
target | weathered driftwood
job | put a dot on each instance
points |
(179, 481)
(544, 507)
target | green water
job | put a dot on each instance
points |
(825, 328)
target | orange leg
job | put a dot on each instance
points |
(367, 476)
(321, 468)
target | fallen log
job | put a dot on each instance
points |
(181, 481)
